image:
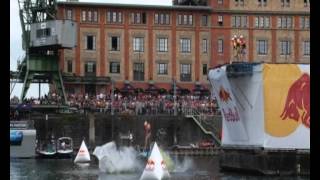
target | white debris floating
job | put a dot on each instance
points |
(156, 167)
(83, 155)
(113, 160)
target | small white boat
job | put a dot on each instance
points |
(83, 155)
(64, 147)
(156, 167)
(48, 150)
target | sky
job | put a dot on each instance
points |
(16, 51)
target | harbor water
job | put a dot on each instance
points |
(195, 168)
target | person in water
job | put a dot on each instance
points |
(147, 133)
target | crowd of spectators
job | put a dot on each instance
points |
(139, 104)
(50, 99)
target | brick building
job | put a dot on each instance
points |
(149, 44)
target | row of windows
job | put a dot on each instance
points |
(136, 18)
(138, 44)
(239, 21)
(185, 45)
(304, 22)
(185, 69)
(161, 18)
(284, 48)
(262, 22)
(89, 16)
(114, 17)
(162, 68)
(284, 3)
(187, 19)
(285, 22)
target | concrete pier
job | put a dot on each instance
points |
(98, 128)
(266, 162)
(92, 136)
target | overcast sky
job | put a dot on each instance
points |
(16, 51)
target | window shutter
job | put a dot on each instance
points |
(120, 17)
(86, 67)
(266, 46)
(244, 21)
(301, 22)
(86, 42)
(156, 18)
(94, 42)
(167, 19)
(279, 22)
(190, 20)
(179, 19)
(142, 44)
(118, 67)
(233, 24)
(158, 44)
(267, 22)
(118, 43)
(289, 47)
(108, 16)
(94, 67)
(95, 16)
(110, 43)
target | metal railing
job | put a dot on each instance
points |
(207, 123)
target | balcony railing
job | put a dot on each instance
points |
(185, 77)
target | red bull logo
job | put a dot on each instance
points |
(230, 113)
(286, 99)
(163, 165)
(150, 165)
(82, 151)
(297, 104)
(224, 95)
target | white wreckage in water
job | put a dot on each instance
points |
(113, 160)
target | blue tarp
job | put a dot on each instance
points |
(16, 137)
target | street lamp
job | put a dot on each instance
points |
(112, 109)
(239, 45)
(112, 96)
(174, 96)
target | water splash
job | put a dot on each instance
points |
(113, 160)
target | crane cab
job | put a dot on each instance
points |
(55, 33)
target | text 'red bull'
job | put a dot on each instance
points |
(231, 115)
(297, 104)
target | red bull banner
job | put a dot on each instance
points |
(233, 127)
(270, 107)
(287, 105)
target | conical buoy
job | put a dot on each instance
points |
(83, 155)
(156, 167)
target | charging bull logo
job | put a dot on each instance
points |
(286, 99)
(150, 165)
(224, 95)
(297, 105)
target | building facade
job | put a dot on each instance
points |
(142, 44)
